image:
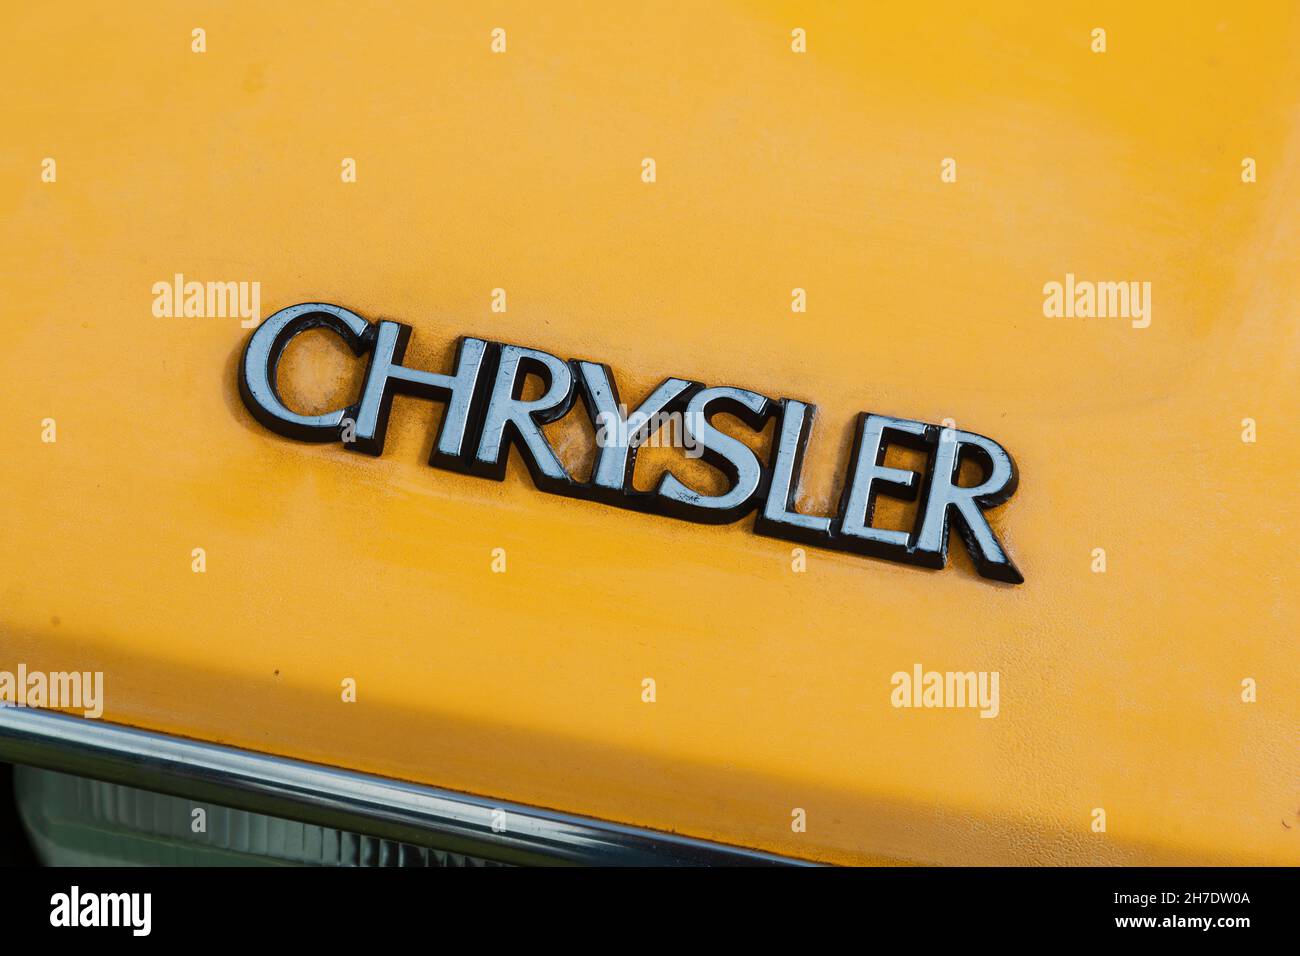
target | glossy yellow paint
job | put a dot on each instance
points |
(775, 170)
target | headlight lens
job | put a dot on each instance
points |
(76, 821)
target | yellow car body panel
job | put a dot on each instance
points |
(775, 170)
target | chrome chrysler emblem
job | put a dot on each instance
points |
(486, 415)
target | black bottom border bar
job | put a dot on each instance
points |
(977, 905)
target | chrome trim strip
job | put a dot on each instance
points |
(329, 796)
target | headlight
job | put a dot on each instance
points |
(75, 821)
(108, 794)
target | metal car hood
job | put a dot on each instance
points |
(776, 171)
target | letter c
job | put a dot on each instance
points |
(261, 358)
